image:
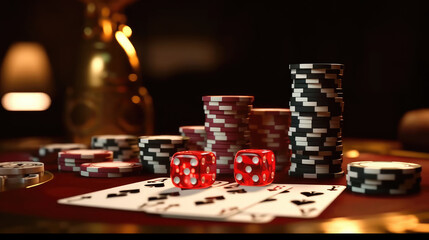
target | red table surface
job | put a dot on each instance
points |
(41, 201)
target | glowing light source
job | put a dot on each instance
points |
(128, 48)
(26, 78)
(26, 101)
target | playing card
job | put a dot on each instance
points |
(216, 203)
(298, 200)
(132, 197)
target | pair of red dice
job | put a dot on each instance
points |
(197, 169)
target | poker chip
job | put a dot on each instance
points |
(303, 174)
(269, 130)
(227, 127)
(155, 151)
(105, 174)
(111, 167)
(54, 148)
(20, 174)
(228, 98)
(316, 66)
(86, 153)
(16, 168)
(71, 160)
(383, 177)
(315, 131)
(124, 147)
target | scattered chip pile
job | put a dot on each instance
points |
(316, 120)
(20, 174)
(110, 169)
(124, 147)
(156, 150)
(196, 135)
(383, 178)
(49, 153)
(269, 130)
(227, 128)
(71, 160)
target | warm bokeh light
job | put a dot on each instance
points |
(26, 68)
(129, 49)
(352, 154)
(26, 101)
(126, 30)
(135, 99)
(96, 71)
(342, 225)
(132, 77)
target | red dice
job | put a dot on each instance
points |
(254, 167)
(193, 169)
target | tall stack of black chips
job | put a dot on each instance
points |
(156, 151)
(124, 147)
(316, 109)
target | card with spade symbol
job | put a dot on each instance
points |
(298, 200)
(220, 203)
(132, 197)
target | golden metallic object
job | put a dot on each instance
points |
(107, 96)
(47, 176)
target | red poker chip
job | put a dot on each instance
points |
(224, 142)
(228, 108)
(232, 104)
(227, 138)
(269, 118)
(226, 125)
(221, 129)
(228, 98)
(192, 129)
(86, 153)
(271, 111)
(111, 167)
(227, 120)
(227, 113)
(107, 174)
(64, 168)
(270, 128)
(80, 160)
(193, 138)
(283, 122)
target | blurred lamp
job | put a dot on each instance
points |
(25, 81)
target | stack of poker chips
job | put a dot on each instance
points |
(110, 169)
(124, 147)
(155, 151)
(49, 153)
(196, 135)
(227, 128)
(20, 174)
(70, 160)
(383, 177)
(316, 120)
(269, 130)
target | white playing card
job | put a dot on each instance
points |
(216, 203)
(132, 197)
(298, 200)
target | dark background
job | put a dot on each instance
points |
(383, 44)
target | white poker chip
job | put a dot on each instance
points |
(17, 168)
